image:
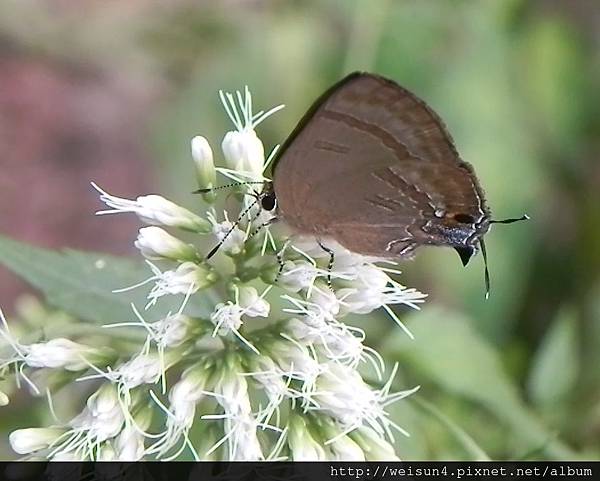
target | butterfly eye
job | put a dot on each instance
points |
(267, 201)
(464, 218)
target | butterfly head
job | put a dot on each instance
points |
(469, 248)
(267, 198)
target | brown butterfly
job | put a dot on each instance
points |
(373, 167)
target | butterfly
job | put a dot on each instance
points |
(373, 167)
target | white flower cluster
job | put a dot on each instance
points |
(248, 381)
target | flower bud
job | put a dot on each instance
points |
(4, 399)
(173, 330)
(252, 303)
(244, 152)
(129, 444)
(103, 401)
(344, 449)
(188, 273)
(155, 244)
(206, 174)
(343, 395)
(24, 441)
(233, 240)
(191, 386)
(227, 316)
(187, 278)
(299, 275)
(156, 210)
(232, 389)
(359, 301)
(141, 369)
(244, 429)
(107, 453)
(62, 353)
(302, 445)
(374, 446)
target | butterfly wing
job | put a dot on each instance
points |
(371, 165)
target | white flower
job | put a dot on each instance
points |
(314, 314)
(344, 449)
(154, 210)
(56, 353)
(100, 420)
(59, 353)
(270, 377)
(173, 330)
(141, 369)
(243, 150)
(29, 440)
(183, 397)
(155, 243)
(227, 317)
(374, 446)
(203, 160)
(230, 238)
(4, 399)
(232, 392)
(106, 453)
(302, 445)
(342, 394)
(373, 289)
(363, 300)
(103, 417)
(334, 341)
(244, 445)
(188, 278)
(129, 444)
(366, 276)
(298, 275)
(297, 361)
(253, 304)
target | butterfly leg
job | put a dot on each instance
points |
(330, 265)
(279, 256)
(401, 247)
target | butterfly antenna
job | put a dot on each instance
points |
(510, 221)
(228, 186)
(486, 272)
(235, 224)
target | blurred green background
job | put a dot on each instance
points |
(113, 91)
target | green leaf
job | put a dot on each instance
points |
(82, 283)
(449, 353)
(555, 366)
